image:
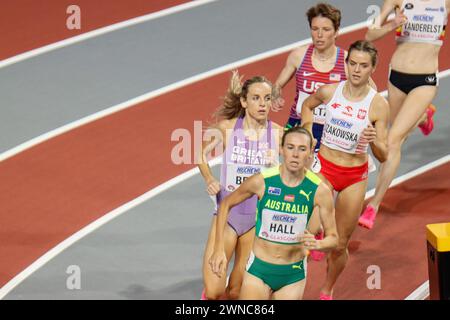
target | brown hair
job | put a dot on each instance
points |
(365, 46)
(327, 11)
(231, 106)
(297, 129)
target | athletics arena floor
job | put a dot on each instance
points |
(86, 177)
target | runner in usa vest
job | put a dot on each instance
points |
(308, 80)
(314, 65)
(419, 27)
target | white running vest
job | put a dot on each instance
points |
(426, 22)
(345, 121)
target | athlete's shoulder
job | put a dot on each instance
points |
(345, 54)
(379, 108)
(380, 101)
(296, 56)
(226, 124)
(270, 172)
(277, 126)
(314, 178)
(323, 191)
(327, 91)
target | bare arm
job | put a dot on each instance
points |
(322, 95)
(252, 186)
(323, 200)
(218, 136)
(286, 74)
(381, 118)
(380, 28)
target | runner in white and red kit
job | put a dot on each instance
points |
(356, 118)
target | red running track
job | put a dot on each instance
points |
(397, 244)
(54, 189)
(30, 24)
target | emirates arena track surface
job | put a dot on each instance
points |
(153, 249)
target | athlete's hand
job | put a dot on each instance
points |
(399, 19)
(217, 262)
(277, 104)
(212, 187)
(368, 135)
(309, 241)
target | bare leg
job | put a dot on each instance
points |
(242, 253)
(413, 107)
(215, 286)
(293, 291)
(254, 288)
(349, 203)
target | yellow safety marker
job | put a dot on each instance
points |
(438, 247)
(438, 235)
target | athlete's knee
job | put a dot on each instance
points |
(395, 141)
(233, 292)
(340, 250)
(213, 292)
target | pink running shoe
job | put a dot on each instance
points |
(428, 125)
(367, 219)
(323, 296)
(203, 295)
(315, 254)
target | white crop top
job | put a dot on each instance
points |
(427, 20)
(345, 121)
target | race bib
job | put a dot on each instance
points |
(282, 227)
(318, 113)
(238, 173)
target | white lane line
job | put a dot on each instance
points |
(413, 174)
(177, 85)
(101, 31)
(145, 197)
(421, 293)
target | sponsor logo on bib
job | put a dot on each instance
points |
(409, 6)
(341, 123)
(423, 18)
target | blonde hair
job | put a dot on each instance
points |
(231, 107)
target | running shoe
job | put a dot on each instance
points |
(323, 296)
(367, 219)
(428, 125)
(315, 254)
